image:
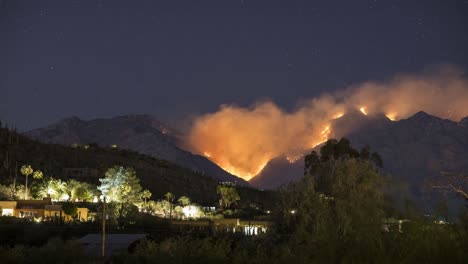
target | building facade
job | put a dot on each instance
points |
(40, 210)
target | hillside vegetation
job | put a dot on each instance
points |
(158, 176)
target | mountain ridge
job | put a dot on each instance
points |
(414, 150)
(138, 132)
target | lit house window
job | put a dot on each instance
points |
(7, 212)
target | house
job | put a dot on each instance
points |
(247, 227)
(40, 210)
(230, 225)
(92, 243)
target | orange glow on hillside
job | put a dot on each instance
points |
(242, 173)
(242, 140)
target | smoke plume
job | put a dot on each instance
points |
(243, 140)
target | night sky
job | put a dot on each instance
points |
(176, 59)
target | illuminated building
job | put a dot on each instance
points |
(40, 210)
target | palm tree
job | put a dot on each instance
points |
(26, 170)
(61, 189)
(184, 201)
(170, 199)
(56, 189)
(38, 175)
(145, 195)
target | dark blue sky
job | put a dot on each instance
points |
(176, 58)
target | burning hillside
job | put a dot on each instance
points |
(243, 140)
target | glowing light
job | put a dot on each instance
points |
(363, 110)
(65, 197)
(251, 230)
(95, 199)
(7, 212)
(192, 211)
(207, 154)
(391, 116)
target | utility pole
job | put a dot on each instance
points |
(104, 227)
(26, 188)
(16, 174)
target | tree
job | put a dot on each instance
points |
(5, 192)
(454, 182)
(86, 192)
(162, 207)
(121, 186)
(11, 192)
(80, 191)
(38, 175)
(228, 195)
(350, 209)
(311, 161)
(365, 152)
(183, 201)
(376, 159)
(56, 189)
(146, 194)
(70, 209)
(170, 199)
(26, 170)
(323, 167)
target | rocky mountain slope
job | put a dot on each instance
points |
(141, 133)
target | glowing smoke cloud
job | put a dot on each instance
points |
(243, 140)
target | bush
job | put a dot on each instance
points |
(54, 251)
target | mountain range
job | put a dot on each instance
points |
(141, 133)
(415, 150)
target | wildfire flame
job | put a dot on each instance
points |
(294, 159)
(363, 110)
(338, 115)
(244, 174)
(324, 135)
(392, 116)
(243, 140)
